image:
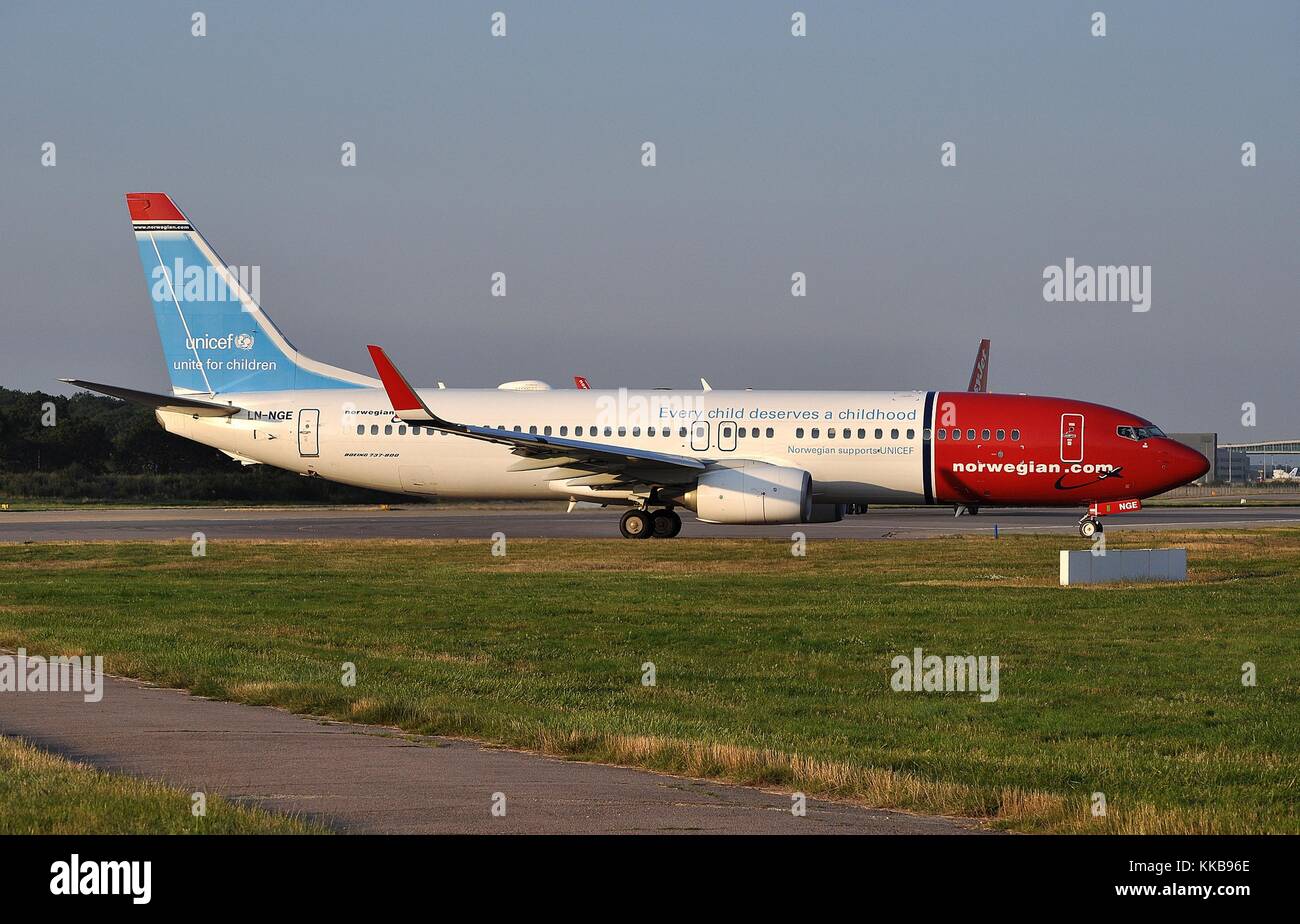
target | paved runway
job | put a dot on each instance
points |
(358, 778)
(421, 521)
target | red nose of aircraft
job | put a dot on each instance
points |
(1182, 464)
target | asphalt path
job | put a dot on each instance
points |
(370, 779)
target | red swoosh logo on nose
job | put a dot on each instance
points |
(1101, 476)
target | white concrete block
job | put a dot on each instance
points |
(1083, 567)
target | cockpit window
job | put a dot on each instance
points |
(1140, 433)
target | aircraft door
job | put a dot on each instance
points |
(1071, 437)
(308, 435)
(700, 435)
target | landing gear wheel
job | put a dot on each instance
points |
(665, 524)
(1089, 528)
(635, 525)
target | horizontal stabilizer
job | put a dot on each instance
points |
(161, 402)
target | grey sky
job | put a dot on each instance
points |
(775, 154)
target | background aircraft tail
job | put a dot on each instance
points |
(979, 376)
(215, 337)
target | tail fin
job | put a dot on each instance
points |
(979, 376)
(215, 337)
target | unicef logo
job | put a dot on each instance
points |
(243, 341)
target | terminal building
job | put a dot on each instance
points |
(1252, 463)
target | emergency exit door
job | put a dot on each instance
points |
(308, 436)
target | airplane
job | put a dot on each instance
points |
(730, 456)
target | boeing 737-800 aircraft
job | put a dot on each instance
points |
(750, 457)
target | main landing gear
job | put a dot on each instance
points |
(642, 524)
(1089, 526)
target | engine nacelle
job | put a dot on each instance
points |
(752, 492)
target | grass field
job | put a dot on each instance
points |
(44, 794)
(770, 669)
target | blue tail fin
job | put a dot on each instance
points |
(215, 337)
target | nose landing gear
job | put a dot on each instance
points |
(1089, 526)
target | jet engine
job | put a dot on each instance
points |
(752, 492)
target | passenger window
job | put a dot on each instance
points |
(893, 434)
(609, 431)
(546, 431)
(519, 429)
(925, 434)
(830, 433)
(726, 431)
(911, 434)
(985, 435)
(970, 434)
(415, 431)
(649, 431)
(956, 434)
(622, 431)
(636, 431)
(1015, 435)
(681, 432)
(880, 434)
(564, 431)
(862, 434)
(361, 428)
(374, 429)
(401, 431)
(798, 433)
(1002, 434)
(388, 430)
(816, 431)
(770, 433)
(941, 433)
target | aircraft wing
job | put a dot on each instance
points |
(541, 452)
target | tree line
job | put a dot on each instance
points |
(90, 448)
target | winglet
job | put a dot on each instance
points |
(406, 403)
(979, 376)
(580, 381)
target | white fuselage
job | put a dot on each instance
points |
(352, 436)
